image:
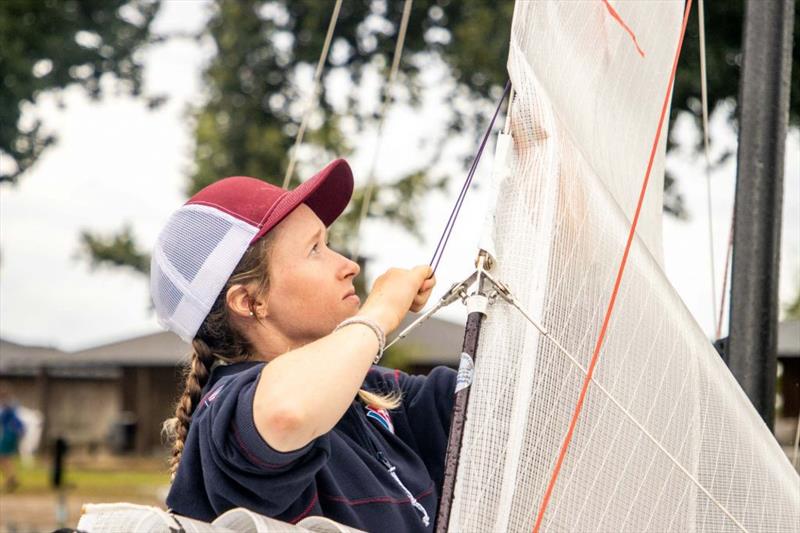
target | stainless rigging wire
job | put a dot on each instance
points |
(386, 101)
(704, 99)
(312, 103)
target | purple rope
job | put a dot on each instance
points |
(451, 221)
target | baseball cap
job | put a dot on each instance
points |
(203, 241)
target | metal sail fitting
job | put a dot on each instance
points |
(460, 291)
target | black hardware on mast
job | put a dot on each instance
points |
(763, 117)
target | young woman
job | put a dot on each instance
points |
(284, 411)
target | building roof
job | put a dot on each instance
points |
(156, 349)
(105, 361)
(14, 355)
(23, 360)
(435, 341)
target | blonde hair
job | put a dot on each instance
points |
(381, 401)
(217, 339)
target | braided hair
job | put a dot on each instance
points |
(215, 340)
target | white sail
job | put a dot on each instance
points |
(666, 439)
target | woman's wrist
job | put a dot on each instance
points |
(381, 317)
(374, 326)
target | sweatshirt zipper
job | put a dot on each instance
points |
(426, 521)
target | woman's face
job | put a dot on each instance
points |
(311, 286)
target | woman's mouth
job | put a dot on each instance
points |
(352, 297)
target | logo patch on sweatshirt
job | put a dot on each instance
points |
(211, 396)
(382, 416)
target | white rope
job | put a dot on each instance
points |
(312, 103)
(386, 101)
(704, 99)
(627, 414)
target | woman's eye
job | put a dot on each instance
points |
(315, 248)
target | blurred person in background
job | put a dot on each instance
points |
(285, 411)
(11, 432)
(33, 422)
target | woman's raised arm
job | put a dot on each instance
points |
(303, 393)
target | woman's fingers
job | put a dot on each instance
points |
(396, 292)
(420, 300)
(423, 294)
(428, 284)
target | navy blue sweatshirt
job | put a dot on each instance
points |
(376, 470)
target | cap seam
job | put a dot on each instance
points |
(225, 210)
(272, 209)
(175, 278)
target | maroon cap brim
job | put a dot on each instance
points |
(327, 193)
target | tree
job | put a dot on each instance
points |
(47, 45)
(265, 48)
(117, 250)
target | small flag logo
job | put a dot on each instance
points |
(382, 416)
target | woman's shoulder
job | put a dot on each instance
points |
(226, 379)
(243, 371)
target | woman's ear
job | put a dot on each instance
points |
(239, 302)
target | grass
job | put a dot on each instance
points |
(102, 478)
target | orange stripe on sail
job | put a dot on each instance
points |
(609, 310)
(616, 17)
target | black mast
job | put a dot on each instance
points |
(469, 351)
(763, 119)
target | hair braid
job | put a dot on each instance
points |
(215, 339)
(197, 374)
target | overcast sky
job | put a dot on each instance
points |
(117, 162)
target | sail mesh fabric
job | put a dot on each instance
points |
(583, 123)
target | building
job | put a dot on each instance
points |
(114, 395)
(117, 395)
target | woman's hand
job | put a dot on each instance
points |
(397, 291)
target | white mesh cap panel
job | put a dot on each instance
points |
(194, 256)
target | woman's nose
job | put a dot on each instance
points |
(350, 268)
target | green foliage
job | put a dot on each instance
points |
(249, 122)
(266, 50)
(51, 44)
(263, 45)
(723, 62)
(117, 250)
(723, 29)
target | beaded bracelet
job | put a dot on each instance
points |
(371, 324)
